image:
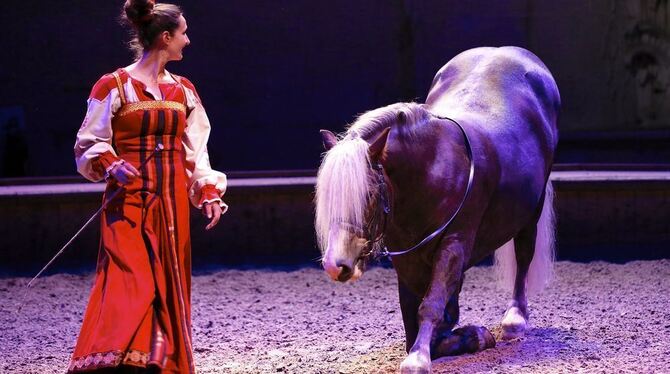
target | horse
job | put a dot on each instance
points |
(442, 185)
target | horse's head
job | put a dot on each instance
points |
(346, 200)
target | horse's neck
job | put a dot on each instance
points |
(429, 180)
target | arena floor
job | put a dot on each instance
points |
(595, 318)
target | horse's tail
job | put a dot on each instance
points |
(541, 269)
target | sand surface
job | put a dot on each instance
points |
(595, 318)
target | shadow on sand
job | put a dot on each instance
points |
(543, 344)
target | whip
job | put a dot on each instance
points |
(158, 148)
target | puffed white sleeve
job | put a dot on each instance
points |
(205, 184)
(94, 154)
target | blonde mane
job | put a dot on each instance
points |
(343, 183)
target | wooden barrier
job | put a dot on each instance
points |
(612, 215)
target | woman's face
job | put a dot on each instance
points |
(178, 40)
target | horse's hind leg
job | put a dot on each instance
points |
(534, 254)
(515, 320)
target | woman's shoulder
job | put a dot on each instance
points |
(188, 85)
(185, 81)
(107, 84)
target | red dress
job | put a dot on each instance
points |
(139, 311)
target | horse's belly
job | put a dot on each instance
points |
(508, 213)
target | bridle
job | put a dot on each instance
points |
(384, 204)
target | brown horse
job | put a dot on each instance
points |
(442, 185)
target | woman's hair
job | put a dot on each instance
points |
(148, 20)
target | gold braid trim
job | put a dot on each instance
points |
(108, 359)
(150, 105)
(119, 86)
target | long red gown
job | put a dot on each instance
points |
(139, 311)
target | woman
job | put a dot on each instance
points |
(139, 312)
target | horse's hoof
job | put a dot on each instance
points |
(513, 324)
(485, 338)
(466, 339)
(415, 364)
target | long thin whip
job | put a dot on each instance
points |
(158, 148)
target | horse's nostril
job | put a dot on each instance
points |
(345, 273)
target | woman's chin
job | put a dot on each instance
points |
(178, 57)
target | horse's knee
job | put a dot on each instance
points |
(430, 312)
(440, 312)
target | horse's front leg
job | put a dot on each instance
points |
(409, 305)
(467, 339)
(447, 272)
(451, 313)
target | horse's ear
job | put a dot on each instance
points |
(329, 139)
(377, 146)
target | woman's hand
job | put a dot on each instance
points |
(213, 212)
(124, 173)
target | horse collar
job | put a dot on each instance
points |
(384, 201)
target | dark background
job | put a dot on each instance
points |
(272, 73)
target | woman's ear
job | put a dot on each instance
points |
(165, 37)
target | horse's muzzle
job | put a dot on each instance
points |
(342, 272)
(345, 274)
(337, 270)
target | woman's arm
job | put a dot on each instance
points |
(205, 184)
(93, 150)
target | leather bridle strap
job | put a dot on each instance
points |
(386, 253)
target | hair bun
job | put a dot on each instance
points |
(139, 11)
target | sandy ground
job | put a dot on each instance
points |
(595, 318)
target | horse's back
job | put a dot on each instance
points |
(506, 95)
(503, 86)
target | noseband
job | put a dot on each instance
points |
(384, 204)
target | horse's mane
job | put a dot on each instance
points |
(343, 183)
(409, 115)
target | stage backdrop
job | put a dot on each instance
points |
(272, 73)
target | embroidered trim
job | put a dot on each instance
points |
(209, 201)
(108, 359)
(110, 167)
(136, 358)
(149, 105)
(119, 85)
(208, 194)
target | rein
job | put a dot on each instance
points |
(386, 209)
